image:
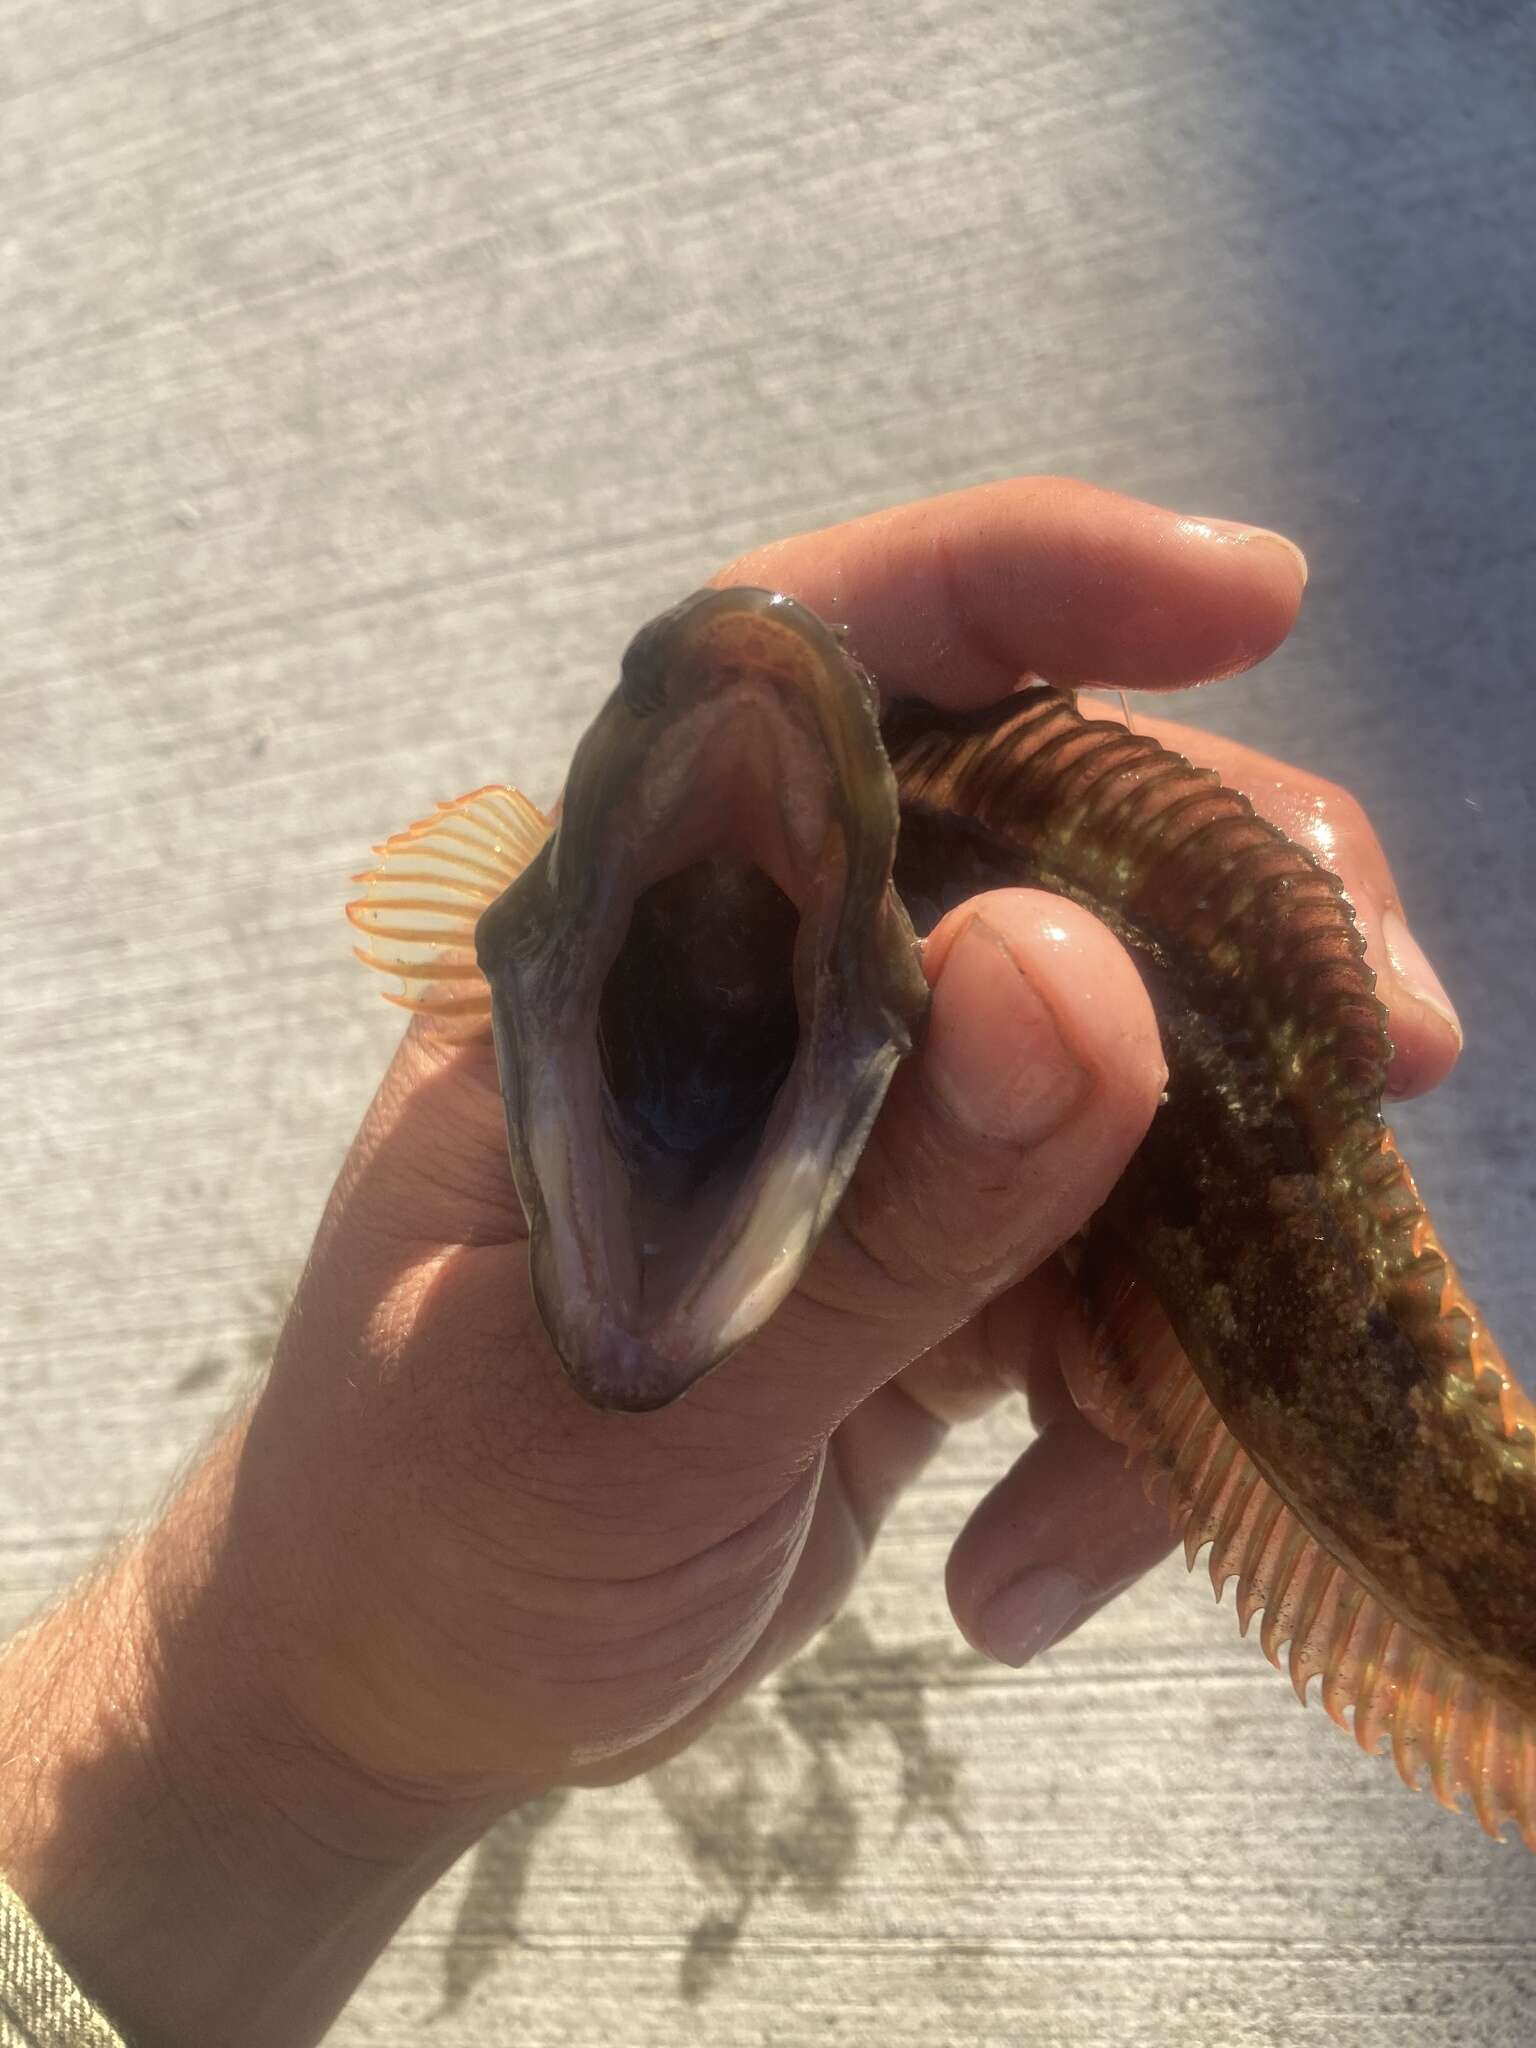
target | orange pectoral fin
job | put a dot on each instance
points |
(420, 905)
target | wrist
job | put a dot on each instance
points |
(207, 1866)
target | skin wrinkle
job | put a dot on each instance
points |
(529, 1629)
(540, 1479)
(536, 1461)
(747, 1535)
(859, 1531)
(869, 1503)
(1009, 1347)
(964, 624)
(204, 1806)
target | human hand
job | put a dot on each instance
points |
(422, 1581)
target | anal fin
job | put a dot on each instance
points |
(1449, 1732)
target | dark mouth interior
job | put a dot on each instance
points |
(697, 1030)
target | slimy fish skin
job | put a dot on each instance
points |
(701, 978)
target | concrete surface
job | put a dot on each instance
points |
(370, 368)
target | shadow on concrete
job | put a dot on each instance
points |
(767, 1800)
(488, 1922)
(745, 1843)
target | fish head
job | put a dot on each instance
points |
(700, 990)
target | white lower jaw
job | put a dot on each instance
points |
(622, 1353)
(736, 1297)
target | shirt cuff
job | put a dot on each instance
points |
(41, 2005)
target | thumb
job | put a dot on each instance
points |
(1038, 1076)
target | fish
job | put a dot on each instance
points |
(701, 976)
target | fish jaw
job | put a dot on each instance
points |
(700, 990)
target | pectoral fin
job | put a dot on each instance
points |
(420, 905)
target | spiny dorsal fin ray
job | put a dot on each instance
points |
(1449, 1732)
(1145, 833)
(420, 905)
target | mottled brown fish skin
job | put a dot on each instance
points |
(1268, 1209)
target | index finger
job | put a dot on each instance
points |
(954, 598)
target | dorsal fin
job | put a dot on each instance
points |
(420, 905)
(1116, 820)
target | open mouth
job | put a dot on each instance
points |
(697, 1031)
(700, 992)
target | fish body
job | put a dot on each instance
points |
(700, 984)
(1280, 1332)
